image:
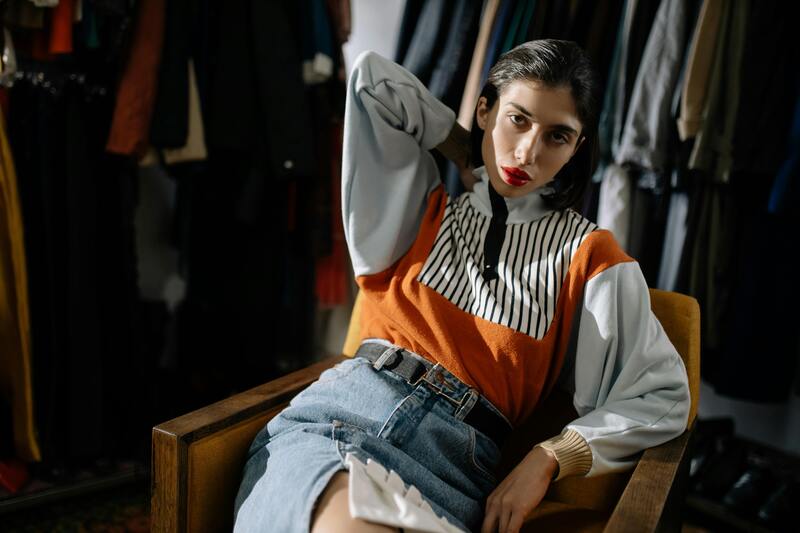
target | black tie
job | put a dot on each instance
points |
(495, 236)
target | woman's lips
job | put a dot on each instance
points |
(515, 176)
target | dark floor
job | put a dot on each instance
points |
(122, 509)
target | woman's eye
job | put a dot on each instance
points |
(560, 138)
(517, 119)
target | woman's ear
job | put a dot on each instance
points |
(482, 112)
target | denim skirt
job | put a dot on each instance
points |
(415, 430)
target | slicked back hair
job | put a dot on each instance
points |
(554, 63)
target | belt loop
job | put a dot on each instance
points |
(384, 357)
(467, 403)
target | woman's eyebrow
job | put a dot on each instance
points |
(561, 127)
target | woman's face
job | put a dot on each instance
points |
(528, 135)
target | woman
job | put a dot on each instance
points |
(474, 308)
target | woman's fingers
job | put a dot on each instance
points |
(489, 522)
(505, 515)
(516, 521)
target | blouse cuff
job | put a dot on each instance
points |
(572, 453)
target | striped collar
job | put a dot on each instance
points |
(523, 209)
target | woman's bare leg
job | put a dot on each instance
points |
(332, 513)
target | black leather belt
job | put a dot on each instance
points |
(413, 369)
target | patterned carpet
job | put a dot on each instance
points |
(120, 510)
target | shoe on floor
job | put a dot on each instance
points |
(750, 491)
(723, 468)
(780, 509)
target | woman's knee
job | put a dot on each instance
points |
(332, 510)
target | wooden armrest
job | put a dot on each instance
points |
(651, 501)
(171, 442)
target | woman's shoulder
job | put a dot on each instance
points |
(600, 249)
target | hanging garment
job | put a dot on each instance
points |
(195, 147)
(317, 43)
(673, 241)
(710, 258)
(608, 114)
(23, 14)
(647, 134)
(761, 316)
(408, 25)
(645, 137)
(600, 37)
(648, 222)
(91, 393)
(341, 18)
(450, 73)
(430, 35)
(699, 67)
(605, 126)
(474, 82)
(636, 40)
(557, 22)
(496, 39)
(130, 127)
(712, 148)
(15, 335)
(242, 114)
(536, 29)
(614, 204)
(723, 139)
(170, 113)
(785, 187)
(769, 75)
(517, 20)
(61, 21)
(613, 210)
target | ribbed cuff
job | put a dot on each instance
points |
(572, 453)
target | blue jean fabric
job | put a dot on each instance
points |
(417, 431)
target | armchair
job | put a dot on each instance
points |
(197, 458)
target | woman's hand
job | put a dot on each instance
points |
(520, 492)
(456, 148)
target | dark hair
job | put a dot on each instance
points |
(555, 63)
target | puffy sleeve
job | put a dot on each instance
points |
(391, 123)
(630, 387)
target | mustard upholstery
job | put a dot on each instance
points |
(353, 339)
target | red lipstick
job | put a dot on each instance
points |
(515, 176)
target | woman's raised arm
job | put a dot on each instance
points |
(391, 123)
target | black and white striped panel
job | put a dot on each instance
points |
(534, 261)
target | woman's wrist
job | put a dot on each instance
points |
(548, 457)
(456, 147)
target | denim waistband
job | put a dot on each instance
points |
(445, 383)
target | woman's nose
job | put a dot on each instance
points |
(526, 147)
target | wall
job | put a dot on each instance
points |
(375, 26)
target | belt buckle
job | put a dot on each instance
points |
(436, 388)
